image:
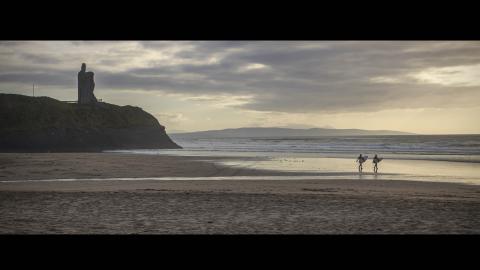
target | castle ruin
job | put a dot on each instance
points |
(86, 84)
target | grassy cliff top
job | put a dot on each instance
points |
(19, 112)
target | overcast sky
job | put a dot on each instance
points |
(415, 86)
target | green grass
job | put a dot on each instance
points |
(22, 113)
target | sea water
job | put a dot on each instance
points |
(444, 158)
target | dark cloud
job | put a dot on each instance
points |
(40, 59)
(47, 79)
(5, 43)
(298, 76)
(366, 98)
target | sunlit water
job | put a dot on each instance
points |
(420, 158)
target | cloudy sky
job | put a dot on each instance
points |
(416, 86)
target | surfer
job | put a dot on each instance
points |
(375, 161)
(360, 161)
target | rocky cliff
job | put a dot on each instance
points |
(42, 124)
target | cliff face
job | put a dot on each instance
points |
(42, 124)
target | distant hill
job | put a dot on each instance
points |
(284, 132)
(42, 124)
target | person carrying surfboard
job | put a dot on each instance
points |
(375, 161)
(361, 159)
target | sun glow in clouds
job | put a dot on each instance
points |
(253, 67)
(384, 79)
(451, 76)
(221, 101)
(459, 76)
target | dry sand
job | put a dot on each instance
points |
(212, 207)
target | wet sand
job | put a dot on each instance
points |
(216, 207)
(30, 166)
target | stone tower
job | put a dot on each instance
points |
(86, 84)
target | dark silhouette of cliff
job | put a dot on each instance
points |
(43, 124)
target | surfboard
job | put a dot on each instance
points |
(364, 158)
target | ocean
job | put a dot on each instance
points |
(445, 158)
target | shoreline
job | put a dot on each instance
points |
(238, 206)
(72, 171)
(51, 166)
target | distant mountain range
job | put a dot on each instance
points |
(284, 132)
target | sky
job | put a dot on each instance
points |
(425, 87)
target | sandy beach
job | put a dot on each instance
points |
(307, 206)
